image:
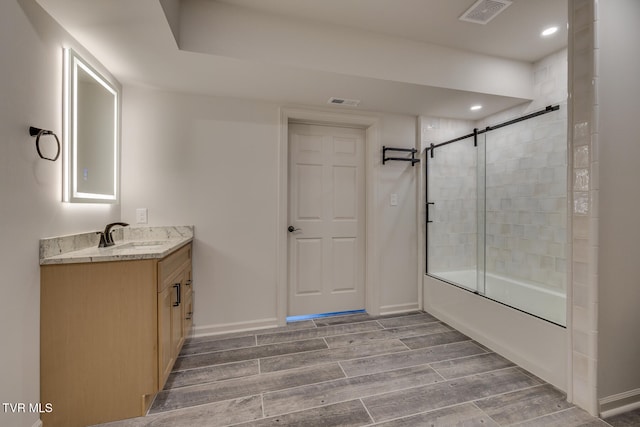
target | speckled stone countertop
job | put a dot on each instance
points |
(131, 243)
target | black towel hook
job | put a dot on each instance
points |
(37, 132)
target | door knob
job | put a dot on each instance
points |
(291, 229)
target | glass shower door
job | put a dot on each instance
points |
(452, 215)
(526, 209)
(497, 213)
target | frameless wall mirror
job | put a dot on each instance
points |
(92, 134)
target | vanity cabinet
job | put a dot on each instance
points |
(110, 333)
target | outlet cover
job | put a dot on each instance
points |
(141, 215)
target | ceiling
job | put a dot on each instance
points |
(512, 34)
(133, 39)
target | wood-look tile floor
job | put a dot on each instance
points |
(356, 370)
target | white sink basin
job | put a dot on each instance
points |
(144, 246)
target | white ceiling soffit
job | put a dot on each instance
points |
(135, 40)
(512, 34)
(217, 28)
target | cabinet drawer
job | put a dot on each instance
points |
(169, 265)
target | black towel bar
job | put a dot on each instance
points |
(411, 159)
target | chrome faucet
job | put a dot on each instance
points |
(106, 239)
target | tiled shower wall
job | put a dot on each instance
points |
(526, 211)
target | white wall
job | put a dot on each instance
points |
(31, 190)
(398, 235)
(213, 163)
(618, 99)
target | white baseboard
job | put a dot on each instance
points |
(399, 308)
(619, 403)
(38, 423)
(223, 328)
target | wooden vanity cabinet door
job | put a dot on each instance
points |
(173, 272)
(165, 350)
(170, 337)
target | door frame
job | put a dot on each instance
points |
(372, 124)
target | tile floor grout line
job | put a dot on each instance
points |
(186, 408)
(328, 348)
(539, 417)
(246, 377)
(402, 351)
(367, 332)
(240, 334)
(330, 335)
(317, 328)
(368, 413)
(253, 346)
(420, 413)
(322, 406)
(343, 371)
(485, 413)
(282, 414)
(410, 349)
(431, 346)
(514, 366)
(437, 409)
(210, 366)
(437, 373)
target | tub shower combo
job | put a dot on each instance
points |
(496, 213)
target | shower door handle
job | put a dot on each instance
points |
(429, 203)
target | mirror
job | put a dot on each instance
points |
(92, 134)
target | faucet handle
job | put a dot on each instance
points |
(108, 230)
(103, 240)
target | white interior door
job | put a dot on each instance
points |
(326, 250)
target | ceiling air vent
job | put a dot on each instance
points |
(343, 101)
(483, 11)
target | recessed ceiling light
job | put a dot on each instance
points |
(476, 107)
(549, 31)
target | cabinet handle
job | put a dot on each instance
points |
(189, 315)
(177, 303)
(188, 283)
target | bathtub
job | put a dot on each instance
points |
(545, 303)
(540, 346)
